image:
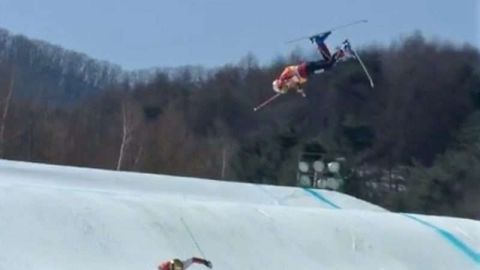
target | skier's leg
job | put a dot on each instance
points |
(319, 66)
(324, 65)
(324, 51)
(322, 47)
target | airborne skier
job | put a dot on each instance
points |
(177, 264)
(295, 76)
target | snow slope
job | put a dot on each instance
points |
(56, 217)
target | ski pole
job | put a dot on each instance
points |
(348, 24)
(331, 30)
(266, 102)
(193, 237)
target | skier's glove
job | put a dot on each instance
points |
(300, 91)
(208, 264)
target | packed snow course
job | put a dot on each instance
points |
(68, 218)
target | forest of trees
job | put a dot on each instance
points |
(420, 124)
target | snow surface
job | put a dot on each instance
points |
(57, 217)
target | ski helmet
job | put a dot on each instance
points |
(275, 85)
(176, 264)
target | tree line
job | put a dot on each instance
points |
(418, 128)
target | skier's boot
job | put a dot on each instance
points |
(320, 38)
(322, 47)
(347, 49)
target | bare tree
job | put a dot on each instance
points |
(5, 114)
(138, 157)
(130, 122)
(126, 137)
(224, 162)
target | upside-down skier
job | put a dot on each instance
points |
(177, 264)
(294, 77)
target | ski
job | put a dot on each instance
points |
(266, 102)
(363, 67)
(348, 47)
(331, 30)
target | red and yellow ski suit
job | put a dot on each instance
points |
(292, 77)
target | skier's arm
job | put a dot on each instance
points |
(193, 260)
(290, 79)
(164, 265)
(296, 82)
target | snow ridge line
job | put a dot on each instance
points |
(448, 236)
(320, 197)
(452, 239)
(273, 197)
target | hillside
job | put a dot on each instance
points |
(55, 217)
(409, 144)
